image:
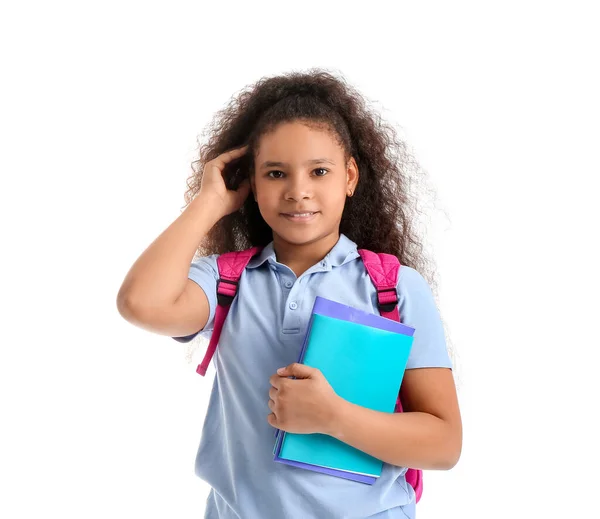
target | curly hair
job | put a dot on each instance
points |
(381, 216)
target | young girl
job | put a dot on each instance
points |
(317, 178)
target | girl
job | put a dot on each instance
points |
(325, 179)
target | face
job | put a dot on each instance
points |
(301, 183)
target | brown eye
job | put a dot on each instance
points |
(322, 169)
(274, 171)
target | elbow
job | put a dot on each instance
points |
(452, 460)
(124, 305)
(449, 448)
(445, 460)
(452, 453)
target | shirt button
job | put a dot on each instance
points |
(293, 305)
(288, 284)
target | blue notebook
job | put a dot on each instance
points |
(363, 356)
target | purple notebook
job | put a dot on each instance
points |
(337, 310)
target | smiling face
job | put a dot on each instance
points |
(301, 183)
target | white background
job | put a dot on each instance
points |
(100, 107)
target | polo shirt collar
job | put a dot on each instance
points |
(344, 250)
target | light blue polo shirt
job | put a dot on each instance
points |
(264, 331)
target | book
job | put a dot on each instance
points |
(363, 357)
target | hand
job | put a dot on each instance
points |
(304, 405)
(213, 185)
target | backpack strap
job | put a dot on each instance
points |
(231, 265)
(383, 270)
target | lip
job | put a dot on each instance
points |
(292, 218)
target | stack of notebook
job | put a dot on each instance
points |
(363, 357)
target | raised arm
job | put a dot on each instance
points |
(156, 293)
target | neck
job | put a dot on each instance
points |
(300, 257)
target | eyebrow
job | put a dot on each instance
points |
(270, 164)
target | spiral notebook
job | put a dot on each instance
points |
(363, 356)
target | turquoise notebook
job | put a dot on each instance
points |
(364, 365)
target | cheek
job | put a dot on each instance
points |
(267, 199)
(337, 197)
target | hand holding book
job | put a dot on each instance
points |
(302, 405)
(348, 355)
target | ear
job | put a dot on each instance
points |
(352, 175)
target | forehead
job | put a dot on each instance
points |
(297, 142)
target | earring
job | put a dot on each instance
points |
(350, 193)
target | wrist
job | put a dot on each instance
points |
(334, 423)
(210, 206)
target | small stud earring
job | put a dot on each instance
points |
(350, 193)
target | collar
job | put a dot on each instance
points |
(343, 251)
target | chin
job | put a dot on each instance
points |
(300, 236)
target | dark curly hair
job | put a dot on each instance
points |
(382, 214)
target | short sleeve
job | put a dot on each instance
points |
(418, 309)
(205, 273)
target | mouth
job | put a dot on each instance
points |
(300, 217)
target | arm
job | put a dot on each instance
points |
(158, 281)
(157, 294)
(159, 276)
(427, 435)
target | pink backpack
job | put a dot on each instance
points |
(383, 270)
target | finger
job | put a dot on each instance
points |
(240, 150)
(228, 156)
(296, 370)
(275, 381)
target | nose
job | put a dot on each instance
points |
(298, 189)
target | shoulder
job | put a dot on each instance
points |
(418, 309)
(206, 263)
(411, 279)
(414, 291)
(214, 265)
(205, 271)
